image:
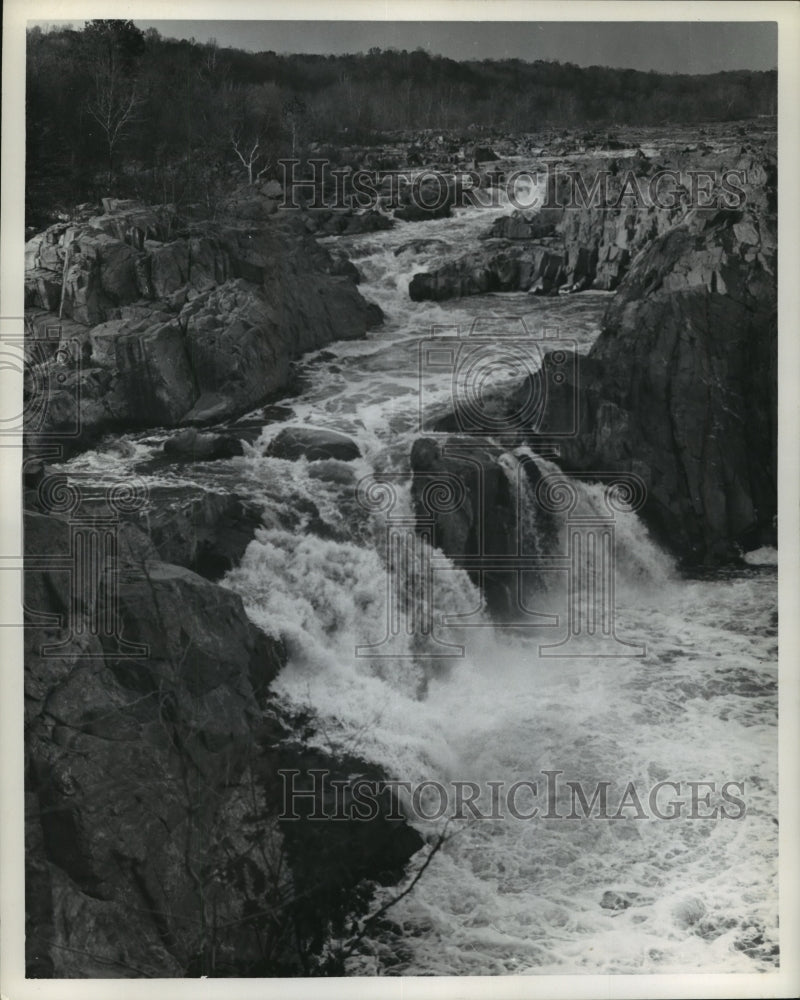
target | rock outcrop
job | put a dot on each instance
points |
(313, 443)
(681, 386)
(158, 842)
(206, 532)
(187, 331)
(194, 445)
(485, 520)
(500, 266)
(595, 216)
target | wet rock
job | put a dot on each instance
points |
(345, 221)
(496, 267)
(431, 197)
(192, 444)
(206, 532)
(484, 522)
(313, 444)
(483, 154)
(689, 912)
(419, 246)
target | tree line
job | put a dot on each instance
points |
(113, 109)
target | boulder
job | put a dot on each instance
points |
(419, 246)
(613, 900)
(194, 445)
(483, 154)
(345, 221)
(497, 266)
(486, 522)
(206, 532)
(429, 197)
(313, 444)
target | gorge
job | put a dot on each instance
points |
(244, 407)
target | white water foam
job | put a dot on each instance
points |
(512, 895)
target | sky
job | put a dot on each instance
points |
(668, 47)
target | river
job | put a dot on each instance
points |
(511, 895)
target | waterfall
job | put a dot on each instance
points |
(393, 660)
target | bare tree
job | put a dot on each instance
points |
(250, 155)
(113, 48)
(115, 108)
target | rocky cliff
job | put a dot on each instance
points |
(136, 320)
(594, 217)
(156, 842)
(681, 385)
(155, 832)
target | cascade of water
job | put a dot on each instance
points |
(697, 703)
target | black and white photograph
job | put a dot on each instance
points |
(391, 515)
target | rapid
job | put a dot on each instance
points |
(508, 895)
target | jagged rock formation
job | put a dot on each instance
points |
(155, 843)
(596, 218)
(313, 443)
(487, 521)
(681, 385)
(173, 331)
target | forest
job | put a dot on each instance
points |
(111, 108)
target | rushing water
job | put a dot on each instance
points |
(512, 895)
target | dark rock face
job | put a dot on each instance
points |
(681, 386)
(314, 444)
(484, 154)
(427, 198)
(417, 246)
(500, 267)
(345, 221)
(184, 332)
(206, 532)
(486, 521)
(156, 837)
(593, 222)
(192, 444)
(132, 761)
(329, 859)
